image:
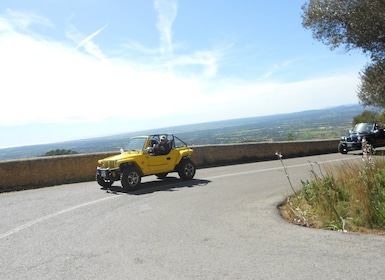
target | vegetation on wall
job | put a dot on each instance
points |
(59, 152)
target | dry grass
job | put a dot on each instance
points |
(349, 197)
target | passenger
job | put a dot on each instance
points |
(163, 148)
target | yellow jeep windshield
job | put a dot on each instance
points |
(136, 144)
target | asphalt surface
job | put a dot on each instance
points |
(224, 224)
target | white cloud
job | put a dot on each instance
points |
(235, 99)
(48, 81)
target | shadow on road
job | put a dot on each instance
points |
(166, 184)
(378, 152)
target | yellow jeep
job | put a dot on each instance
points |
(156, 154)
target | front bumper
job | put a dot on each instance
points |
(109, 173)
(351, 146)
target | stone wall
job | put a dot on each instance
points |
(50, 171)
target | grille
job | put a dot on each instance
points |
(108, 164)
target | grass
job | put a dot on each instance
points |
(349, 197)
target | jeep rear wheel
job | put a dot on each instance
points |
(102, 182)
(186, 169)
(130, 179)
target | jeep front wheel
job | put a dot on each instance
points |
(102, 182)
(342, 149)
(186, 169)
(130, 179)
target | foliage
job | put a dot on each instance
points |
(290, 137)
(59, 152)
(371, 90)
(350, 197)
(354, 24)
(366, 116)
(370, 116)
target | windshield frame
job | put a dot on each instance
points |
(363, 128)
(136, 144)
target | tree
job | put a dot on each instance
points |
(372, 88)
(59, 152)
(354, 24)
(369, 116)
(366, 116)
(290, 137)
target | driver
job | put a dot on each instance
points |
(163, 148)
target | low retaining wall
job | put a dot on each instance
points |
(49, 171)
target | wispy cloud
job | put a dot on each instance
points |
(23, 20)
(202, 63)
(207, 60)
(90, 46)
(283, 66)
(86, 41)
(167, 12)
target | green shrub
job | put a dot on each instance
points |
(350, 197)
(373, 179)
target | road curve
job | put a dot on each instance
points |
(224, 224)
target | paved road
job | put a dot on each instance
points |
(224, 224)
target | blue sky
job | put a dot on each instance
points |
(83, 68)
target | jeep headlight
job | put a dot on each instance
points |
(107, 163)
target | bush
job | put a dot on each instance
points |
(59, 152)
(350, 197)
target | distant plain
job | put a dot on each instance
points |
(327, 123)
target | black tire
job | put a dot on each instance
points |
(130, 179)
(103, 183)
(186, 169)
(161, 175)
(341, 149)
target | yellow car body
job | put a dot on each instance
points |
(140, 158)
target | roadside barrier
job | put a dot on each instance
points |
(55, 170)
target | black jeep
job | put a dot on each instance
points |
(373, 134)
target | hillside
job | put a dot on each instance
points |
(314, 124)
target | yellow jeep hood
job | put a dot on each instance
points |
(115, 160)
